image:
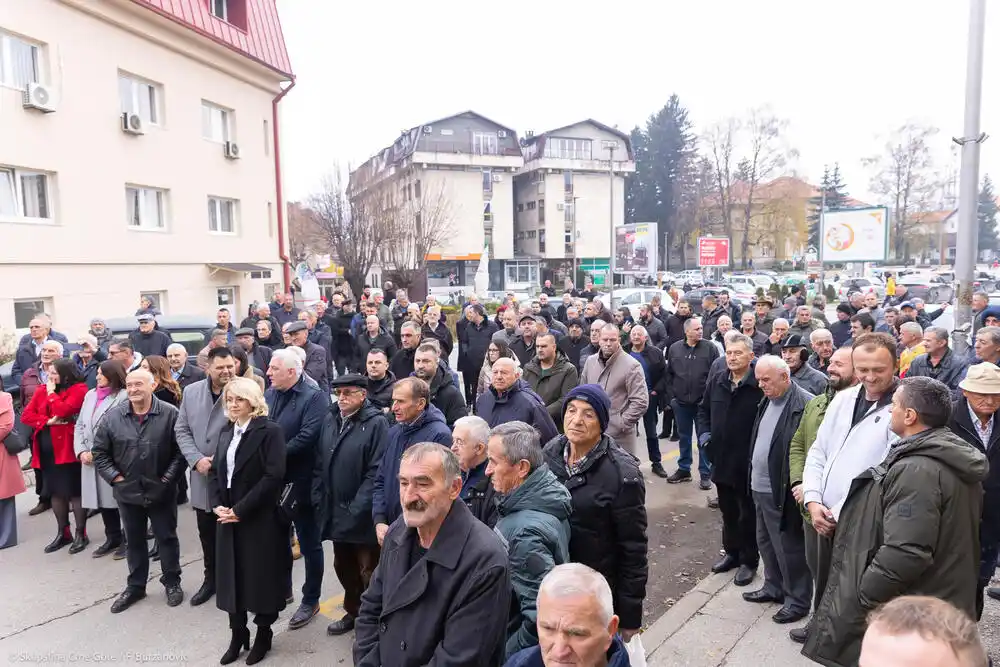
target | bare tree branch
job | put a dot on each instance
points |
(417, 226)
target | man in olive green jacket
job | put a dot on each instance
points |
(818, 548)
(909, 526)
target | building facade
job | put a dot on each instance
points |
(137, 157)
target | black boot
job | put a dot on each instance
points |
(62, 539)
(239, 641)
(261, 644)
(80, 543)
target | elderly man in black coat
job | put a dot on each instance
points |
(509, 398)
(316, 366)
(351, 445)
(442, 584)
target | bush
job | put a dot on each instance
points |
(831, 294)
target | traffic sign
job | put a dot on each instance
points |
(713, 251)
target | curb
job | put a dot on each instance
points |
(663, 628)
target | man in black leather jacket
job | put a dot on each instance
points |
(135, 450)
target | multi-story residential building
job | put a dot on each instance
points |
(567, 197)
(455, 174)
(138, 156)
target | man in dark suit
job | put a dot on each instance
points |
(317, 366)
(419, 607)
(185, 373)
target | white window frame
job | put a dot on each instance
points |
(213, 5)
(145, 193)
(485, 143)
(210, 131)
(231, 291)
(46, 302)
(215, 215)
(7, 79)
(131, 100)
(12, 183)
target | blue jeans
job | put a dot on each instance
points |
(684, 416)
(312, 553)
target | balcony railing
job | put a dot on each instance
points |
(465, 148)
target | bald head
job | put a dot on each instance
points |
(139, 386)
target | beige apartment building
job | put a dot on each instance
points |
(137, 157)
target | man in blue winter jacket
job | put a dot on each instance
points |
(416, 421)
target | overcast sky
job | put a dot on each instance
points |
(844, 72)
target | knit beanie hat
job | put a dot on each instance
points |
(844, 308)
(596, 397)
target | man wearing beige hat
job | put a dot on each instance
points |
(973, 419)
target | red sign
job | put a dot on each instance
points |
(713, 251)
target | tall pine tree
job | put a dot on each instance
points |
(836, 199)
(640, 196)
(987, 215)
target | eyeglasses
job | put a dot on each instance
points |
(346, 392)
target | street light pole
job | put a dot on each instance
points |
(611, 146)
(968, 229)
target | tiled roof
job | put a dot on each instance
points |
(262, 41)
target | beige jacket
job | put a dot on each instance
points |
(625, 383)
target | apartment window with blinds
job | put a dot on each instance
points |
(24, 195)
(19, 62)
(139, 97)
(221, 215)
(145, 208)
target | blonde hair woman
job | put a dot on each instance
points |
(253, 561)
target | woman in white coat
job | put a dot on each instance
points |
(97, 493)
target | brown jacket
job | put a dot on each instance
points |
(625, 383)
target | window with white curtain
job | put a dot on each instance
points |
(24, 195)
(139, 97)
(19, 62)
(145, 208)
(221, 215)
(215, 123)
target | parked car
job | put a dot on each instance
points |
(692, 277)
(930, 287)
(863, 285)
(633, 297)
(695, 296)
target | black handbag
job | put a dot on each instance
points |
(14, 442)
(287, 504)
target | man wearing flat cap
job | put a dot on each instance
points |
(351, 445)
(973, 419)
(316, 365)
(608, 523)
(795, 354)
(524, 347)
(260, 355)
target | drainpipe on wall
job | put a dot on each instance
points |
(282, 254)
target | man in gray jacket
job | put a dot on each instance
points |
(200, 420)
(623, 380)
(795, 354)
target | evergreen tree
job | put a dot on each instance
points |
(987, 216)
(836, 199)
(640, 198)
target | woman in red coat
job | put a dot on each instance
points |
(51, 414)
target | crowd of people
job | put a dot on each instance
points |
(504, 498)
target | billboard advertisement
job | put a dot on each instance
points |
(635, 249)
(713, 251)
(855, 235)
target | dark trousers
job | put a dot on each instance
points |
(312, 553)
(239, 621)
(739, 524)
(354, 565)
(206, 535)
(649, 423)
(43, 494)
(470, 381)
(163, 518)
(684, 415)
(819, 555)
(987, 565)
(786, 572)
(112, 519)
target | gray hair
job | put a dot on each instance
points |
(291, 358)
(610, 327)
(774, 362)
(820, 334)
(574, 579)
(690, 322)
(59, 346)
(939, 332)
(521, 442)
(409, 324)
(175, 347)
(993, 333)
(479, 429)
(780, 319)
(430, 341)
(218, 332)
(641, 329)
(929, 398)
(738, 337)
(449, 462)
(916, 329)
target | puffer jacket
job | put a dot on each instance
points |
(805, 436)
(518, 403)
(810, 379)
(950, 371)
(532, 657)
(380, 391)
(552, 384)
(446, 397)
(146, 455)
(608, 524)
(534, 523)
(911, 528)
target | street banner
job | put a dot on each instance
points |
(713, 251)
(855, 235)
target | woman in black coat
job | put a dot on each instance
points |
(253, 560)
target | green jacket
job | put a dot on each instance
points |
(534, 523)
(804, 438)
(552, 384)
(909, 526)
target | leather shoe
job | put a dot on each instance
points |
(203, 594)
(80, 543)
(993, 592)
(58, 543)
(659, 471)
(39, 508)
(121, 552)
(175, 595)
(343, 626)
(744, 575)
(762, 596)
(106, 548)
(728, 562)
(128, 598)
(302, 616)
(800, 635)
(789, 615)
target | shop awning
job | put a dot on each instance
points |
(238, 268)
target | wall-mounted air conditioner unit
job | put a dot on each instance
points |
(232, 151)
(38, 97)
(132, 123)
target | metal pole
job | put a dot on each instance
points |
(611, 146)
(819, 244)
(968, 228)
(575, 240)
